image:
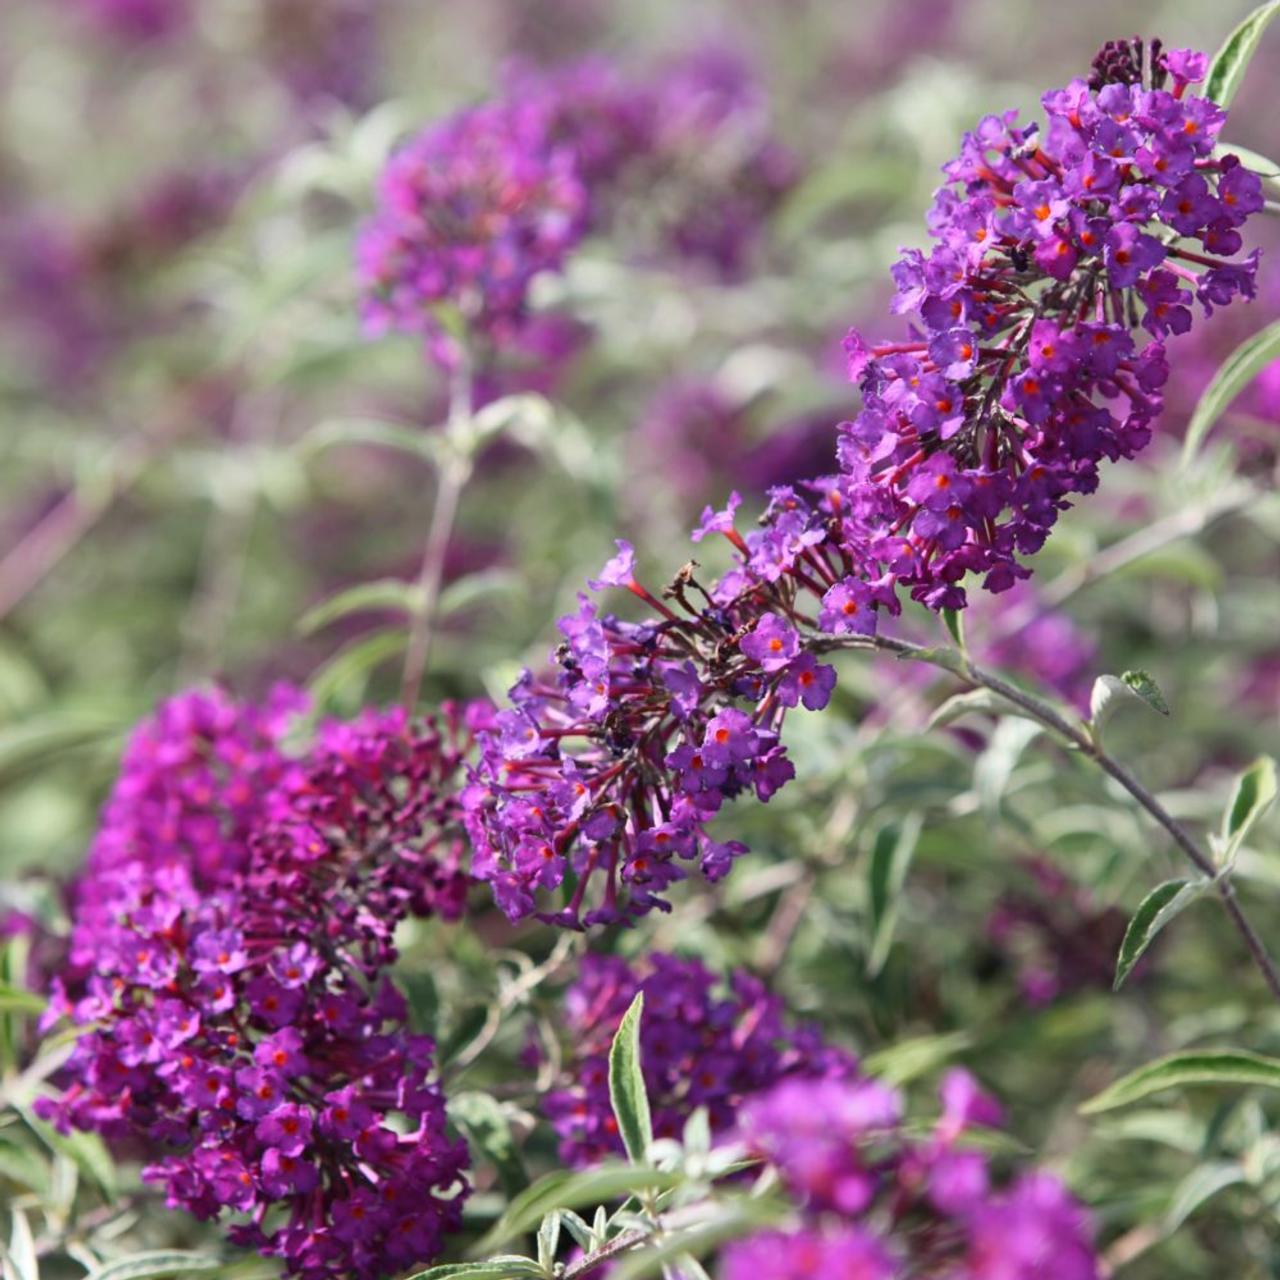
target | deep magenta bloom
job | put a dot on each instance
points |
(703, 1044)
(231, 935)
(880, 1202)
(842, 1254)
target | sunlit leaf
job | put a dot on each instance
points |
(891, 856)
(382, 594)
(1155, 911)
(1254, 794)
(1182, 1070)
(499, 1268)
(627, 1092)
(1235, 373)
(156, 1265)
(1229, 64)
(562, 1189)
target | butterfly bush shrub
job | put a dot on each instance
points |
(303, 953)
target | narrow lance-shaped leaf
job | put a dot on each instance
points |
(627, 1090)
(506, 1267)
(1229, 64)
(1107, 689)
(1178, 1070)
(382, 594)
(1254, 794)
(155, 1264)
(890, 859)
(1233, 376)
(1143, 686)
(561, 1189)
(1199, 1185)
(954, 621)
(1156, 910)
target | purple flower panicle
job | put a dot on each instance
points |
(230, 939)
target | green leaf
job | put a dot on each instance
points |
(87, 1150)
(562, 1189)
(21, 1254)
(347, 673)
(1106, 689)
(891, 856)
(1254, 794)
(382, 594)
(900, 1063)
(1233, 376)
(973, 702)
(1229, 64)
(1156, 910)
(1212, 1066)
(28, 743)
(1144, 687)
(507, 1265)
(1197, 1187)
(156, 1264)
(953, 619)
(22, 1165)
(627, 1090)
(484, 1124)
(15, 1000)
(475, 587)
(731, 1222)
(415, 441)
(548, 1242)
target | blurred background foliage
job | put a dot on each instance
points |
(200, 449)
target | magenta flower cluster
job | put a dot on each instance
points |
(476, 207)
(703, 1044)
(971, 437)
(231, 936)
(877, 1204)
(613, 772)
(1040, 317)
(683, 156)
(469, 212)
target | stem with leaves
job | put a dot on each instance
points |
(454, 472)
(1086, 743)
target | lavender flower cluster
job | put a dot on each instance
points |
(473, 209)
(971, 437)
(232, 932)
(701, 1046)
(877, 1204)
